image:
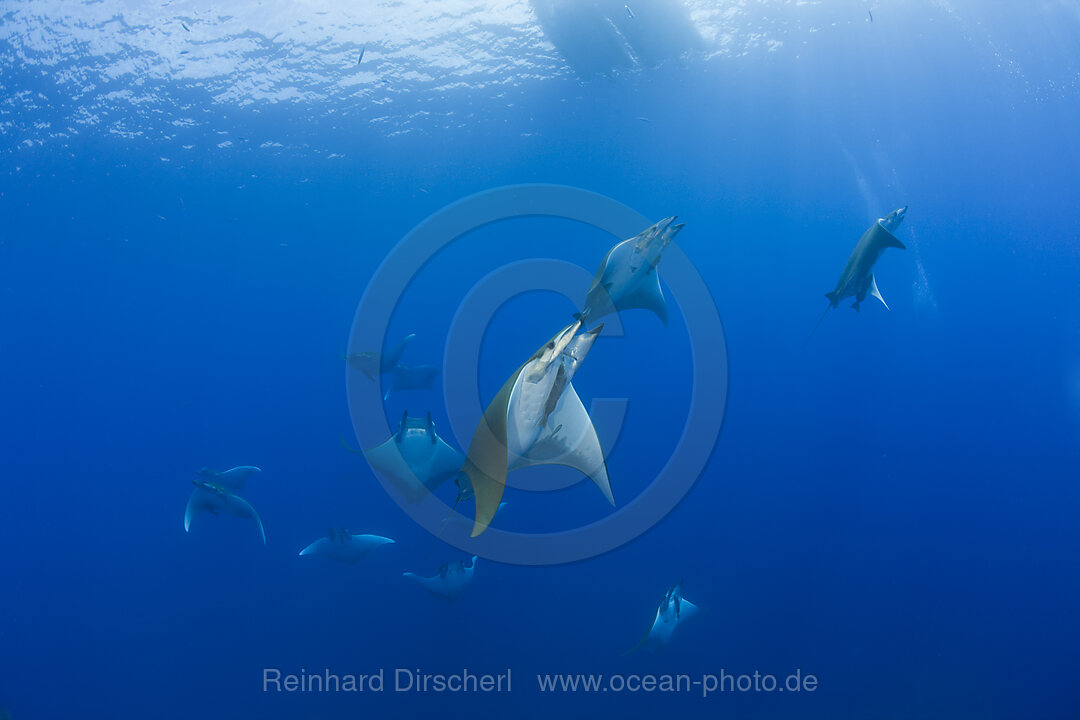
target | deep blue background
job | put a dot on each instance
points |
(891, 507)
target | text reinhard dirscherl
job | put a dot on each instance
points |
(466, 681)
(401, 680)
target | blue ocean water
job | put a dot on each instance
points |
(196, 195)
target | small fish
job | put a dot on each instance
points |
(644, 119)
(184, 25)
(871, 15)
(361, 58)
(629, 13)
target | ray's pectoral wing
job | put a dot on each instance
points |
(486, 462)
(319, 547)
(619, 285)
(570, 439)
(235, 478)
(391, 358)
(390, 463)
(882, 238)
(437, 585)
(662, 626)
(199, 502)
(687, 609)
(601, 297)
(648, 633)
(241, 508)
(602, 278)
(877, 293)
(646, 295)
(444, 464)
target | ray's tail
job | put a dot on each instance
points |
(820, 320)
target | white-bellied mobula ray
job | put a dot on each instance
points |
(344, 546)
(628, 276)
(671, 611)
(373, 363)
(537, 418)
(449, 582)
(411, 377)
(215, 499)
(857, 279)
(415, 459)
